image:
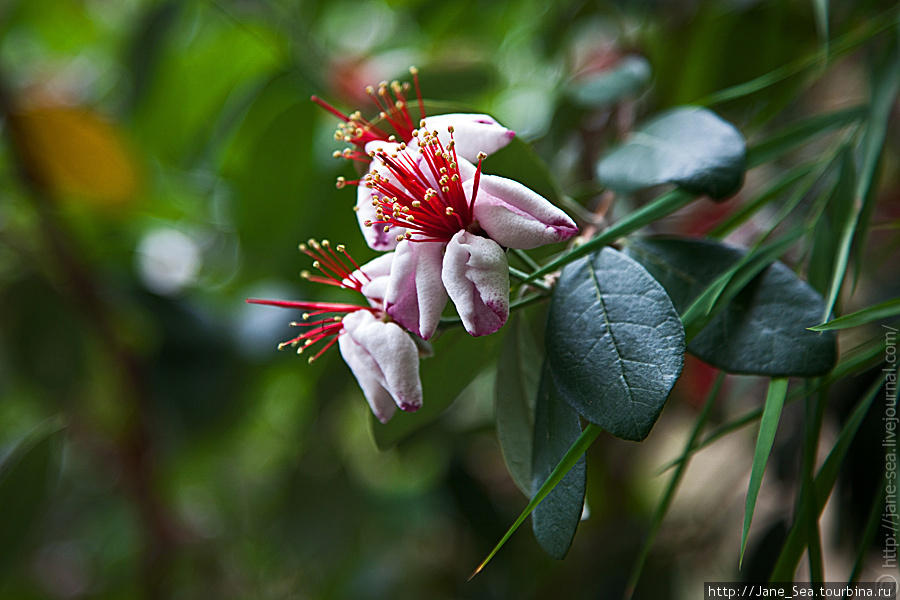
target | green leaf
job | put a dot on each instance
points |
(27, 472)
(556, 428)
(689, 146)
(627, 78)
(614, 342)
(568, 461)
(458, 359)
(891, 308)
(763, 331)
(515, 395)
(767, 428)
(796, 541)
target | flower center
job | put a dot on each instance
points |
(392, 103)
(322, 321)
(422, 192)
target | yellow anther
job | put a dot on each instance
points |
(340, 183)
(449, 211)
(304, 274)
(340, 248)
(482, 156)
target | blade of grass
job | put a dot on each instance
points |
(666, 500)
(729, 284)
(660, 207)
(812, 427)
(839, 46)
(868, 537)
(800, 132)
(852, 361)
(884, 95)
(747, 210)
(820, 8)
(890, 308)
(767, 428)
(568, 461)
(797, 538)
(885, 88)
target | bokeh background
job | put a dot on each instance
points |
(161, 160)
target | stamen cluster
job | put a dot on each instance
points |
(422, 192)
(335, 270)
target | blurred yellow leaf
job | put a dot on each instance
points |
(73, 153)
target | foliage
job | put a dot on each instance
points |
(738, 215)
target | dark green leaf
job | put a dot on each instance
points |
(627, 78)
(518, 378)
(458, 358)
(689, 146)
(26, 478)
(556, 428)
(763, 330)
(614, 342)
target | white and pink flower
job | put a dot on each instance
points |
(452, 225)
(475, 134)
(382, 355)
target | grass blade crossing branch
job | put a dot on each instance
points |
(568, 461)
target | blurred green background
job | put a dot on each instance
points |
(161, 161)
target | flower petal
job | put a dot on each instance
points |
(385, 362)
(515, 216)
(476, 275)
(473, 133)
(415, 295)
(375, 276)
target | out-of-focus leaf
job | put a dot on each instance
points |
(556, 429)
(270, 161)
(26, 480)
(32, 316)
(518, 161)
(458, 358)
(184, 102)
(457, 82)
(515, 394)
(763, 330)
(626, 78)
(72, 152)
(689, 146)
(614, 343)
(194, 374)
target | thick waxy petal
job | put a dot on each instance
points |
(415, 295)
(385, 362)
(517, 217)
(473, 133)
(375, 276)
(476, 275)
